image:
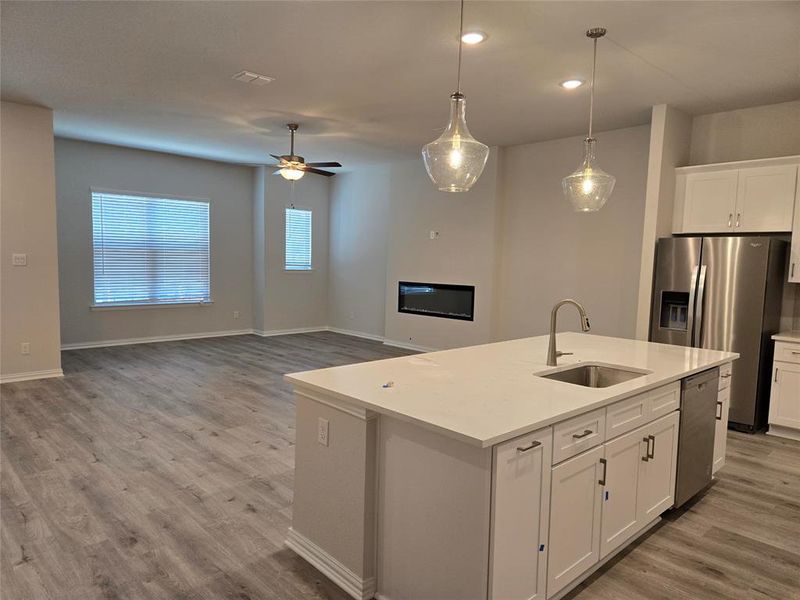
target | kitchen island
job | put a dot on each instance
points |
(471, 473)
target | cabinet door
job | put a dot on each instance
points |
(520, 514)
(710, 202)
(657, 477)
(794, 261)
(620, 506)
(575, 507)
(784, 402)
(765, 199)
(721, 432)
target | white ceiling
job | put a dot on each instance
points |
(370, 80)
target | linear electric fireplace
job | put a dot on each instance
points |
(436, 299)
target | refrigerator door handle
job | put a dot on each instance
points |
(690, 317)
(698, 319)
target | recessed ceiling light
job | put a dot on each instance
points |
(473, 37)
(254, 78)
(571, 84)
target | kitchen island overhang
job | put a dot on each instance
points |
(405, 476)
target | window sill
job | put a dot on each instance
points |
(104, 307)
(299, 270)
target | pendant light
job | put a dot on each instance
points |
(455, 160)
(589, 187)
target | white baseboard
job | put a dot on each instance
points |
(407, 346)
(359, 334)
(358, 588)
(30, 375)
(272, 332)
(784, 432)
(157, 338)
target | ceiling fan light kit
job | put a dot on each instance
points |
(589, 187)
(292, 167)
(455, 160)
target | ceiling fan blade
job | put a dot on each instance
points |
(276, 157)
(323, 164)
(308, 169)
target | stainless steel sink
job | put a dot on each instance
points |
(594, 376)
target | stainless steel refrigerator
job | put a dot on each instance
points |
(723, 293)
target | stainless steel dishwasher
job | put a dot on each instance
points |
(696, 434)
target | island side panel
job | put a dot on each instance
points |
(434, 502)
(333, 513)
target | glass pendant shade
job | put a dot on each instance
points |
(589, 187)
(455, 160)
(291, 174)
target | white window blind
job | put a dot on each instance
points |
(298, 239)
(149, 250)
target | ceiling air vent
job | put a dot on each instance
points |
(254, 78)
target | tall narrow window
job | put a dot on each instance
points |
(298, 239)
(149, 250)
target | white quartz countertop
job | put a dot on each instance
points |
(787, 336)
(487, 394)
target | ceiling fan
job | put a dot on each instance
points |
(293, 167)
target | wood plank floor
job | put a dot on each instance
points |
(165, 471)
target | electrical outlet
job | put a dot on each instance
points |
(25, 348)
(434, 234)
(236, 314)
(19, 260)
(322, 431)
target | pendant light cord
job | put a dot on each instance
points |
(460, 46)
(591, 90)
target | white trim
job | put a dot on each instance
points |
(152, 339)
(784, 432)
(148, 305)
(31, 375)
(360, 334)
(345, 407)
(271, 332)
(358, 588)
(158, 196)
(740, 164)
(407, 346)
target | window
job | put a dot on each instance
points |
(298, 239)
(149, 250)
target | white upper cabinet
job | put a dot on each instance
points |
(794, 262)
(749, 197)
(765, 199)
(710, 201)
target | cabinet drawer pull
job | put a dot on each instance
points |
(730, 219)
(795, 352)
(653, 451)
(719, 412)
(738, 218)
(792, 275)
(533, 445)
(602, 480)
(646, 456)
(725, 376)
(776, 376)
(586, 432)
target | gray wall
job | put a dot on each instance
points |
(359, 229)
(289, 300)
(757, 132)
(550, 252)
(82, 165)
(28, 295)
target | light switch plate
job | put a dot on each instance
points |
(19, 260)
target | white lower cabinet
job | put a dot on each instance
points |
(521, 501)
(575, 507)
(721, 432)
(657, 476)
(600, 499)
(784, 402)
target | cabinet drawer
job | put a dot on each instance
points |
(664, 400)
(787, 352)
(627, 415)
(725, 376)
(580, 433)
